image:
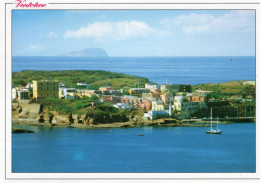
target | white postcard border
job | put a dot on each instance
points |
(99, 176)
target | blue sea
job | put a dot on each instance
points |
(161, 70)
(165, 149)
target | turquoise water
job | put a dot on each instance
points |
(177, 70)
(165, 149)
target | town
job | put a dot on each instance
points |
(155, 99)
(176, 101)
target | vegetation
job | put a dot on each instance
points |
(228, 89)
(71, 78)
(14, 101)
(84, 106)
(231, 96)
(66, 106)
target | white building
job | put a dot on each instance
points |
(122, 106)
(14, 93)
(177, 103)
(151, 86)
(23, 94)
(29, 85)
(83, 85)
(68, 93)
(155, 114)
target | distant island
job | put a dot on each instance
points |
(89, 52)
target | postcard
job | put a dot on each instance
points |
(132, 91)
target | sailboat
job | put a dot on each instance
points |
(212, 131)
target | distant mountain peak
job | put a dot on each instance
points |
(88, 52)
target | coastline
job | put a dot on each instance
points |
(96, 110)
(166, 122)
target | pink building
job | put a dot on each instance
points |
(112, 99)
(138, 103)
(166, 98)
(103, 89)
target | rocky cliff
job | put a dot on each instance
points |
(53, 117)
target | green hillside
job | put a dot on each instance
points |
(228, 89)
(71, 78)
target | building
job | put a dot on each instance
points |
(105, 88)
(87, 93)
(29, 85)
(122, 106)
(151, 96)
(138, 91)
(159, 106)
(23, 94)
(184, 108)
(185, 88)
(61, 85)
(203, 91)
(69, 93)
(14, 93)
(114, 92)
(83, 85)
(135, 102)
(166, 98)
(155, 114)
(45, 88)
(176, 88)
(198, 96)
(111, 98)
(151, 86)
(201, 97)
(170, 109)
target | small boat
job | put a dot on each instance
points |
(212, 131)
(140, 134)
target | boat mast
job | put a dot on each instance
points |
(211, 118)
(217, 123)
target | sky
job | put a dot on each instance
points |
(134, 33)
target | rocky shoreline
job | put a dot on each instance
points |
(167, 122)
(21, 115)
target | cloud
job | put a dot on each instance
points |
(246, 12)
(37, 47)
(52, 35)
(114, 30)
(239, 20)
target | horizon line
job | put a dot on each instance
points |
(132, 56)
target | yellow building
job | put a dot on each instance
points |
(159, 106)
(45, 88)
